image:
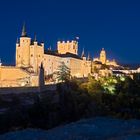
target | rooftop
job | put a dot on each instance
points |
(55, 53)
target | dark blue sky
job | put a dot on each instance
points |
(112, 24)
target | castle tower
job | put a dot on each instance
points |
(67, 47)
(24, 33)
(23, 50)
(36, 54)
(83, 55)
(29, 53)
(89, 58)
(103, 56)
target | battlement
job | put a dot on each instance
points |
(67, 47)
(37, 43)
(67, 42)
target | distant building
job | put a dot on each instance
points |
(103, 56)
(103, 59)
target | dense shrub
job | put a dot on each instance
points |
(77, 99)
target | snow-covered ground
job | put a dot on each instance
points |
(99, 128)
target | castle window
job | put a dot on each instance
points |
(31, 55)
(19, 56)
(38, 55)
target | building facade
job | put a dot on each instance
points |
(31, 56)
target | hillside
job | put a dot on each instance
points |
(99, 128)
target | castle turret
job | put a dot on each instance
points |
(23, 50)
(24, 33)
(36, 54)
(18, 61)
(89, 58)
(83, 55)
(35, 38)
(25, 47)
(17, 43)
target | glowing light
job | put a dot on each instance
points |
(122, 78)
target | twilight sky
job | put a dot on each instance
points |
(112, 24)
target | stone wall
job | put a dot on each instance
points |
(18, 90)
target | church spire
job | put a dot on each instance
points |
(24, 34)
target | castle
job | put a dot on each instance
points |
(31, 56)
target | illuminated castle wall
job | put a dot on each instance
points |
(30, 54)
(11, 76)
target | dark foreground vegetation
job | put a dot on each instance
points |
(75, 99)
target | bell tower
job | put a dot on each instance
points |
(103, 56)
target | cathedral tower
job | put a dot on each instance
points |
(103, 56)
